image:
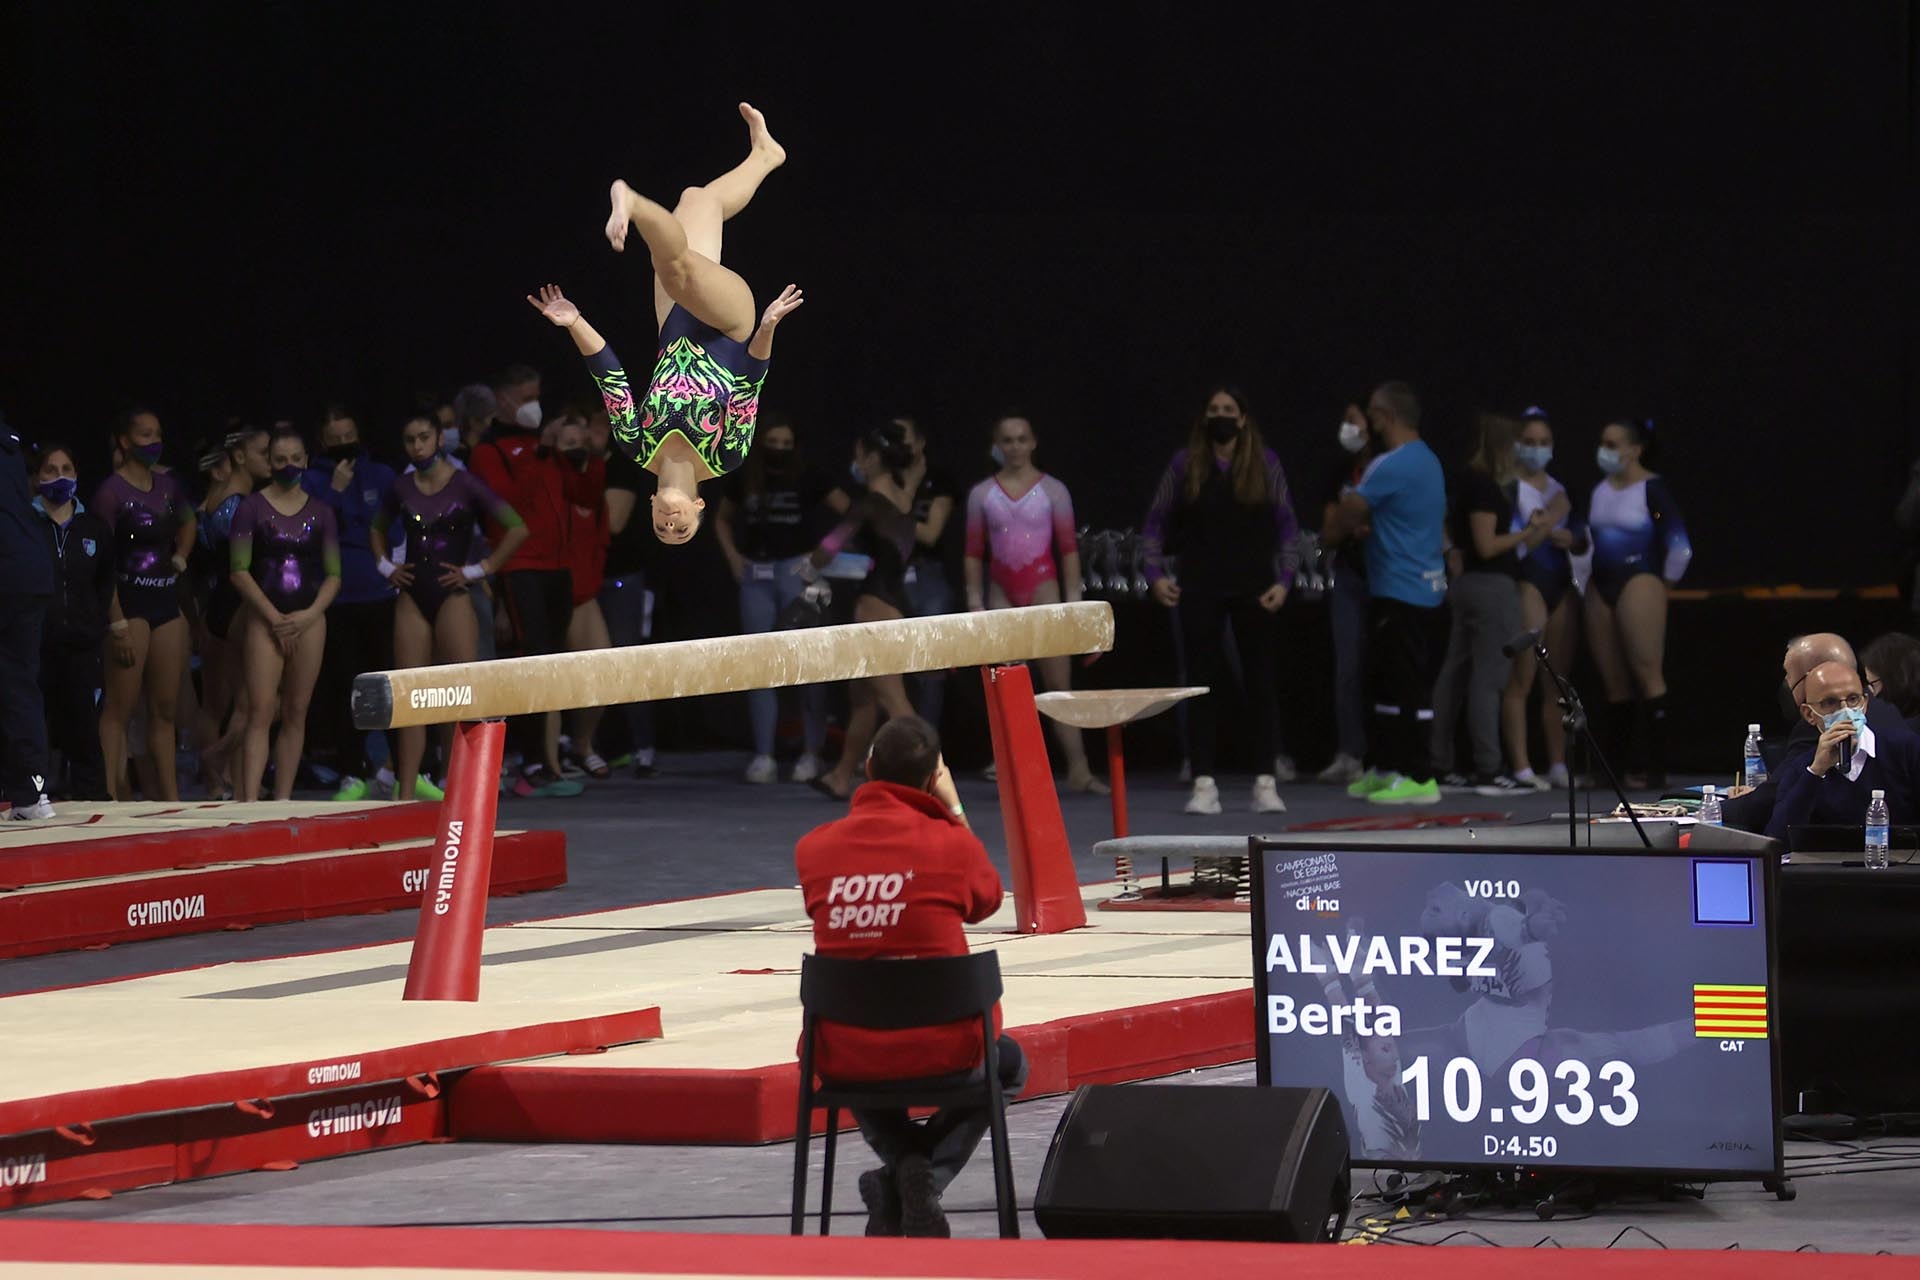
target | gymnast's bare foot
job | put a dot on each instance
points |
(761, 141)
(621, 217)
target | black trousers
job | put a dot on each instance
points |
(70, 685)
(1403, 646)
(23, 715)
(1203, 630)
(540, 605)
(359, 638)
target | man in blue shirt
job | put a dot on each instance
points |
(1402, 499)
(360, 620)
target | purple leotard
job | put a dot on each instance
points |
(146, 534)
(437, 528)
(289, 556)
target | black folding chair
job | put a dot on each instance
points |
(892, 995)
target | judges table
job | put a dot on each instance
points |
(1849, 984)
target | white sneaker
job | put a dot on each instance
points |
(1205, 797)
(1557, 777)
(763, 769)
(1528, 778)
(1266, 798)
(42, 809)
(992, 772)
(1343, 770)
(808, 767)
(1283, 769)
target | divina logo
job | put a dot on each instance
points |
(23, 1170)
(167, 911)
(452, 695)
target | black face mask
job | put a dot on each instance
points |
(342, 452)
(578, 457)
(1221, 429)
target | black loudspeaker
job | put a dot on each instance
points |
(1196, 1162)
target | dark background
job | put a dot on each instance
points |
(1703, 212)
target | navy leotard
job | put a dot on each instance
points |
(1635, 529)
(288, 556)
(1547, 567)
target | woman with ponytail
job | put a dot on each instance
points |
(880, 526)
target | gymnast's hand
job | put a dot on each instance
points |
(788, 302)
(1167, 592)
(401, 577)
(1273, 597)
(554, 306)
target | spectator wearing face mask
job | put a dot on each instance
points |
(1640, 549)
(1347, 605)
(536, 586)
(1223, 509)
(1831, 783)
(27, 577)
(1548, 603)
(359, 633)
(772, 513)
(79, 545)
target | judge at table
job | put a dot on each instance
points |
(1832, 783)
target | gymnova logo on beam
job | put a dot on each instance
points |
(452, 695)
(374, 1113)
(167, 910)
(333, 1073)
(23, 1170)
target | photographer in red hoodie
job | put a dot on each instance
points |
(896, 879)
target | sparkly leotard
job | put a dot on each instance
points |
(146, 529)
(288, 556)
(213, 558)
(705, 387)
(1018, 537)
(438, 528)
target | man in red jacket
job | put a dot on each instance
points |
(896, 879)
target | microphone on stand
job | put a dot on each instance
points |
(1526, 642)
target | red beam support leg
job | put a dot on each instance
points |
(1117, 778)
(453, 909)
(1046, 891)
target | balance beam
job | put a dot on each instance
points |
(726, 664)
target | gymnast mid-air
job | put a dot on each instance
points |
(696, 418)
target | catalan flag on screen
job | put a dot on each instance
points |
(1729, 1012)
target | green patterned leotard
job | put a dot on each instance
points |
(705, 386)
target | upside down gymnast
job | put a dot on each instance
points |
(696, 418)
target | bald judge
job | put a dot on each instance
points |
(1832, 783)
(1753, 810)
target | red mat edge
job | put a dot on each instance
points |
(87, 1106)
(158, 850)
(589, 1251)
(530, 1103)
(524, 861)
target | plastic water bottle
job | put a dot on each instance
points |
(1709, 815)
(1877, 832)
(1756, 768)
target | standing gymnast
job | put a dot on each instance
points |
(432, 512)
(1640, 549)
(696, 418)
(1018, 521)
(285, 555)
(153, 528)
(1548, 602)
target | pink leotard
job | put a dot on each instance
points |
(1019, 537)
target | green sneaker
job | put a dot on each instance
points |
(352, 789)
(1407, 791)
(1366, 784)
(423, 789)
